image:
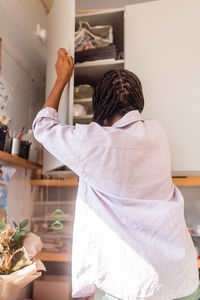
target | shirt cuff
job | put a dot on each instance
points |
(47, 112)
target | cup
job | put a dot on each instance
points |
(15, 148)
(3, 132)
(24, 149)
(8, 144)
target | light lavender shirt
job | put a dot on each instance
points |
(130, 238)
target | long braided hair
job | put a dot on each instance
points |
(118, 91)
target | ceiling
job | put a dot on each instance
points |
(91, 4)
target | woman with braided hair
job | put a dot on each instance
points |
(130, 239)
(116, 93)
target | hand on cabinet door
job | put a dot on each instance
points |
(64, 69)
(64, 66)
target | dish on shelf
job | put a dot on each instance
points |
(79, 110)
(100, 53)
(83, 91)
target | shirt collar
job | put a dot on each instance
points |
(130, 117)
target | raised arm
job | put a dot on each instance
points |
(63, 141)
(64, 68)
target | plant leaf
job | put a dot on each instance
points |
(15, 224)
(24, 232)
(2, 225)
(16, 235)
(20, 234)
(23, 223)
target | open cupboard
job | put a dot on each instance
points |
(159, 42)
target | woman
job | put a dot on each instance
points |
(130, 239)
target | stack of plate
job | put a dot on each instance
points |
(111, 51)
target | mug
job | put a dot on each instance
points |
(15, 148)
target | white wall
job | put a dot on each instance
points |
(24, 67)
(23, 56)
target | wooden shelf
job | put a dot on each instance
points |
(63, 257)
(187, 181)
(15, 161)
(59, 257)
(70, 182)
(73, 182)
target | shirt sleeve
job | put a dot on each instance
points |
(63, 141)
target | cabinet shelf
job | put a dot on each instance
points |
(50, 256)
(102, 12)
(83, 100)
(15, 161)
(89, 72)
(113, 17)
(86, 117)
(70, 182)
(100, 62)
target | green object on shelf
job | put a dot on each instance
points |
(57, 225)
(58, 213)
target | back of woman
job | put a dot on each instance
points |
(130, 240)
(130, 159)
(129, 221)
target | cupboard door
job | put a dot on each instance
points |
(60, 35)
(162, 47)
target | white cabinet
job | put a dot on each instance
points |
(60, 35)
(160, 41)
(162, 47)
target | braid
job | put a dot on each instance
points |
(118, 91)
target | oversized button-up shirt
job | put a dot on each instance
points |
(130, 237)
